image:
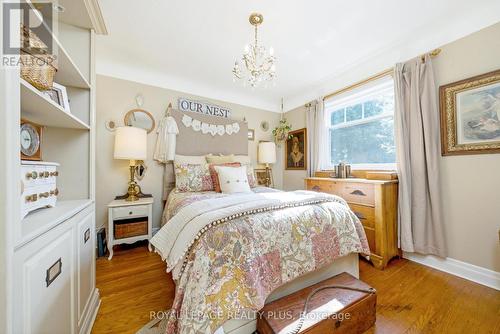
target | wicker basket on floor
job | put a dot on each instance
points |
(37, 67)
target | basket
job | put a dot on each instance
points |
(38, 69)
(127, 229)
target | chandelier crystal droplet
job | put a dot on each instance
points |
(257, 65)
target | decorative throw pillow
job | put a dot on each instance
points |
(252, 182)
(189, 177)
(233, 179)
(219, 159)
(215, 175)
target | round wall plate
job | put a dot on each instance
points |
(264, 126)
(111, 125)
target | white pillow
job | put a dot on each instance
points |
(242, 159)
(190, 159)
(233, 179)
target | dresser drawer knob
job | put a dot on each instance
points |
(32, 198)
(358, 193)
(31, 175)
(130, 212)
(316, 188)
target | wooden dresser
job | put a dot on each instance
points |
(375, 203)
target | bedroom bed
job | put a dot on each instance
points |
(229, 253)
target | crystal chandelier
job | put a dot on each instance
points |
(256, 65)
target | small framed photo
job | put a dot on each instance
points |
(59, 95)
(251, 134)
(260, 175)
(470, 115)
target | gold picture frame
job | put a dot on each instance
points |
(261, 175)
(296, 150)
(470, 115)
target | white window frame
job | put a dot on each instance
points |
(364, 95)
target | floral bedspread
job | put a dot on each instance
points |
(234, 266)
(178, 199)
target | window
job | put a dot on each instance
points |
(361, 126)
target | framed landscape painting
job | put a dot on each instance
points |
(470, 115)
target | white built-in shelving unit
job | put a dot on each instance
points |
(67, 231)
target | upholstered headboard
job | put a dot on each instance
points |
(190, 142)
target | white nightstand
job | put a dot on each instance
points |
(131, 217)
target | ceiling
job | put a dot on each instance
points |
(191, 46)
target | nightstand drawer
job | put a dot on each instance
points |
(130, 212)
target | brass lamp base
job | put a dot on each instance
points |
(133, 188)
(134, 191)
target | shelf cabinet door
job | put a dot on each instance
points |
(44, 284)
(85, 241)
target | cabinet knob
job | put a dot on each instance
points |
(130, 212)
(31, 175)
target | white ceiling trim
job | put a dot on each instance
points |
(152, 78)
(401, 51)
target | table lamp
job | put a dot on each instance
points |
(267, 155)
(131, 144)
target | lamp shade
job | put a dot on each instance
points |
(267, 152)
(130, 143)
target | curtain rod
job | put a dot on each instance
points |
(433, 53)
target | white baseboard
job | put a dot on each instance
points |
(458, 268)
(94, 304)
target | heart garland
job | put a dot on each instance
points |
(212, 129)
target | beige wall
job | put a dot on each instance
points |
(114, 98)
(470, 184)
(294, 179)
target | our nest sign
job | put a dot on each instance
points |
(203, 108)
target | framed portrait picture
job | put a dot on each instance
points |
(251, 134)
(470, 115)
(296, 150)
(260, 176)
(59, 95)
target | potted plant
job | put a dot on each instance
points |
(280, 132)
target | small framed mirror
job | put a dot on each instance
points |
(140, 118)
(140, 170)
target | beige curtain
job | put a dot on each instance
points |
(316, 136)
(416, 123)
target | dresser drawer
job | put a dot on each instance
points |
(366, 214)
(130, 212)
(323, 186)
(361, 193)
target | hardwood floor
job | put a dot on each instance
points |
(411, 298)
